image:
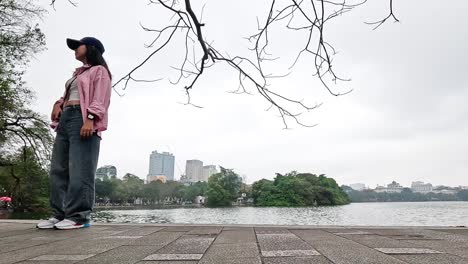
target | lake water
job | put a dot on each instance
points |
(355, 214)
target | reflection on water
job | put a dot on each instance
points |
(131, 216)
(375, 214)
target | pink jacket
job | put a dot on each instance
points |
(95, 90)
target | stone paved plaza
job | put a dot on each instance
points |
(21, 242)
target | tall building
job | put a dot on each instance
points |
(194, 170)
(106, 172)
(207, 171)
(421, 187)
(161, 164)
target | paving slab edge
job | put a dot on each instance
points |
(17, 221)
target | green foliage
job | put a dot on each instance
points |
(189, 193)
(223, 188)
(298, 189)
(19, 41)
(463, 195)
(26, 181)
(25, 139)
(407, 195)
(131, 188)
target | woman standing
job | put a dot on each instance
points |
(78, 117)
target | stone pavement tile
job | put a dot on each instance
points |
(342, 230)
(97, 233)
(297, 260)
(53, 235)
(158, 238)
(118, 237)
(255, 260)
(454, 248)
(408, 251)
(222, 253)
(376, 241)
(290, 253)
(115, 227)
(123, 254)
(168, 262)
(178, 228)
(69, 245)
(340, 250)
(108, 230)
(420, 234)
(438, 243)
(188, 245)
(85, 234)
(392, 231)
(62, 257)
(174, 257)
(432, 259)
(246, 250)
(271, 230)
(47, 262)
(15, 226)
(34, 238)
(456, 231)
(9, 233)
(403, 233)
(87, 246)
(12, 246)
(235, 228)
(35, 235)
(446, 236)
(352, 233)
(52, 247)
(236, 236)
(412, 237)
(205, 231)
(19, 255)
(269, 242)
(139, 231)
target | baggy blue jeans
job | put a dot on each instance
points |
(73, 169)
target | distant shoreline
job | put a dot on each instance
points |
(176, 206)
(145, 207)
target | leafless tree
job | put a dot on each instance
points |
(307, 17)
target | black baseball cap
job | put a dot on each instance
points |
(74, 44)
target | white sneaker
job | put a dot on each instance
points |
(69, 224)
(47, 224)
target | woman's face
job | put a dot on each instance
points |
(80, 53)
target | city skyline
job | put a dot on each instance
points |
(415, 185)
(111, 169)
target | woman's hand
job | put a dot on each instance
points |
(87, 129)
(56, 112)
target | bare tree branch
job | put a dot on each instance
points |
(69, 1)
(307, 17)
(390, 15)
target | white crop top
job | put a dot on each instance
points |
(73, 93)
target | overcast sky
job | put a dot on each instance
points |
(405, 120)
